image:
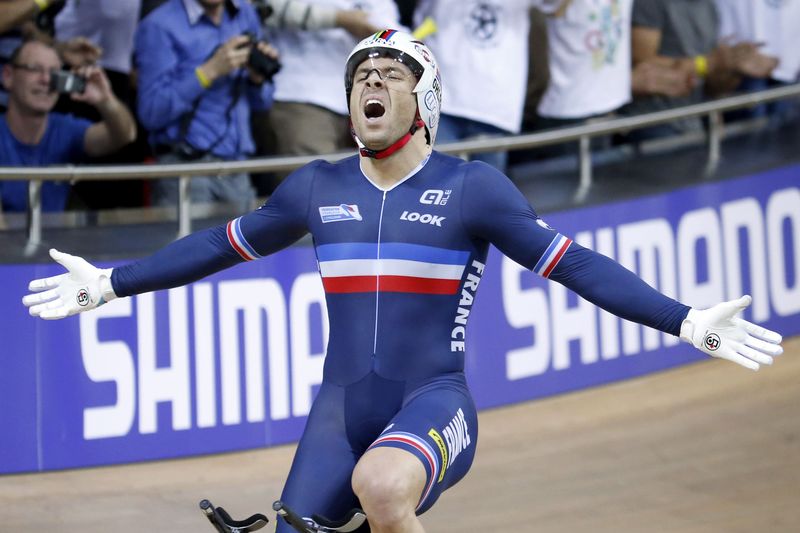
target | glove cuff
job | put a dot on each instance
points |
(688, 326)
(106, 288)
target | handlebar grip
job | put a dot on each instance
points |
(292, 518)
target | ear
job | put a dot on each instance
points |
(7, 77)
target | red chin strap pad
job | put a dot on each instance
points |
(395, 146)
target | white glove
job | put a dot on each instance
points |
(83, 287)
(717, 332)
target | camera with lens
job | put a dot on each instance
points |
(65, 82)
(260, 62)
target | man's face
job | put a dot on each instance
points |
(28, 79)
(382, 104)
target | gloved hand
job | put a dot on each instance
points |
(83, 287)
(717, 332)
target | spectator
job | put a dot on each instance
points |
(482, 48)
(196, 92)
(109, 25)
(589, 62)
(310, 111)
(33, 20)
(775, 25)
(686, 33)
(590, 69)
(30, 135)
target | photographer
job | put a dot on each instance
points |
(23, 20)
(202, 70)
(30, 135)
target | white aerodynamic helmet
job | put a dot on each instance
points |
(404, 48)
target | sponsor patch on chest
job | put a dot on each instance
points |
(338, 213)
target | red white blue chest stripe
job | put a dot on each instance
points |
(390, 267)
(393, 266)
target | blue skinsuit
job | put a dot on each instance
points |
(400, 269)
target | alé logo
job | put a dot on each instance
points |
(435, 197)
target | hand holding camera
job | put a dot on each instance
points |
(66, 82)
(96, 87)
(86, 84)
(262, 62)
(239, 52)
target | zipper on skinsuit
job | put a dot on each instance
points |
(378, 277)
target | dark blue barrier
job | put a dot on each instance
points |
(233, 362)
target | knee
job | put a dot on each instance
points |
(388, 496)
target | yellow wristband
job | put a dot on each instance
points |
(701, 65)
(205, 83)
(42, 4)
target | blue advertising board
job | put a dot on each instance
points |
(234, 361)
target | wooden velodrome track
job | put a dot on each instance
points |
(709, 447)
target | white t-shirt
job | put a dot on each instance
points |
(313, 61)
(776, 23)
(590, 59)
(110, 24)
(482, 50)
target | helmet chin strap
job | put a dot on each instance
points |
(392, 148)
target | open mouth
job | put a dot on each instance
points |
(374, 109)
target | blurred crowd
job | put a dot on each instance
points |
(172, 81)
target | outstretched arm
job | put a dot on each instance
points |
(84, 287)
(715, 331)
(275, 225)
(495, 210)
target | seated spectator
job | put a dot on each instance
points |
(31, 135)
(687, 33)
(196, 92)
(482, 50)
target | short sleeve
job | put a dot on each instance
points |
(649, 13)
(548, 7)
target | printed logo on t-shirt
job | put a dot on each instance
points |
(483, 22)
(604, 39)
(337, 213)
